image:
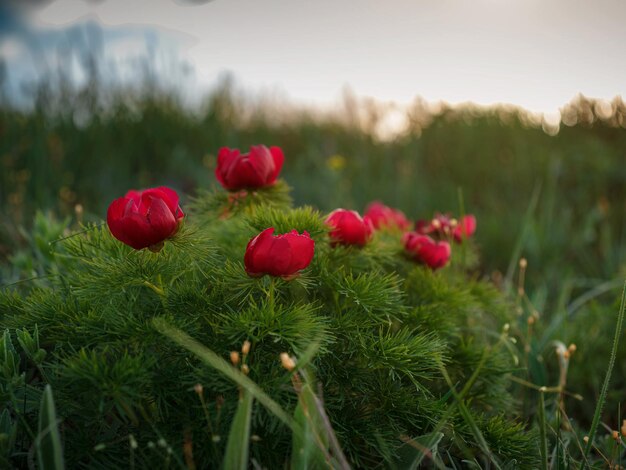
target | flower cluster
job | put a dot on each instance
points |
(444, 226)
(146, 219)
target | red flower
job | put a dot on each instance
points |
(278, 255)
(145, 219)
(441, 225)
(349, 228)
(465, 228)
(384, 216)
(256, 169)
(425, 250)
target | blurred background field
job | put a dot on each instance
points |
(550, 190)
(562, 196)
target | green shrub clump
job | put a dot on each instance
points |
(409, 364)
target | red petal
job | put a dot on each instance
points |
(263, 163)
(134, 195)
(138, 232)
(225, 159)
(279, 158)
(115, 215)
(278, 257)
(243, 174)
(253, 245)
(161, 219)
(302, 249)
(168, 195)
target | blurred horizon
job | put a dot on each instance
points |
(168, 45)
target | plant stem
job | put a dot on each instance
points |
(607, 378)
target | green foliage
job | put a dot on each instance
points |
(217, 204)
(119, 335)
(301, 219)
(8, 432)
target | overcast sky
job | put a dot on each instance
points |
(534, 53)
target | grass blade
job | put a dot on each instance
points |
(310, 448)
(238, 446)
(607, 378)
(48, 442)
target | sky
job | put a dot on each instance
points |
(534, 53)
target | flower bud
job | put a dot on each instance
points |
(145, 219)
(245, 349)
(287, 362)
(424, 249)
(256, 169)
(349, 228)
(383, 216)
(278, 255)
(234, 357)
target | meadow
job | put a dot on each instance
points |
(551, 244)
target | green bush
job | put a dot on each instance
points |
(399, 353)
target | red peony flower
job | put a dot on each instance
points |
(256, 169)
(278, 255)
(384, 216)
(465, 228)
(145, 219)
(425, 250)
(349, 228)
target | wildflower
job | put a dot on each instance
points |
(424, 249)
(145, 219)
(440, 226)
(336, 162)
(278, 255)
(384, 216)
(257, 168)
(349, 228)
(443, 226)
(465, 228)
